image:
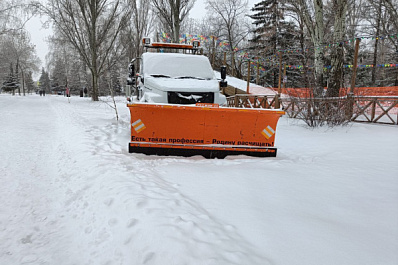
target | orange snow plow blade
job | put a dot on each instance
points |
(203, 130)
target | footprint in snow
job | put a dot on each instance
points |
(148, 257)
(112, 222)
(132, 222)
(27, 239)
(141, 204)
(108, 202)
(29, 259)
(88, 230)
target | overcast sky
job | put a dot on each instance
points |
(39, 34)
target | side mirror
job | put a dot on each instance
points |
(131, 77)
(131, 70)
(131, 81)
(223, 72)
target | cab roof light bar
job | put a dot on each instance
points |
(159, 45)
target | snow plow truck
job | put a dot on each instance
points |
(178, 109)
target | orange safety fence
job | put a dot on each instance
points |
(359, 91)
(376, 91)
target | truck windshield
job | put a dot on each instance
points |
(180, 66)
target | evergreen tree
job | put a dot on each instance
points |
(75, 83)
(266, 16)
(115, 79)
(10, 83)
(44, 81)
(272, 34)
(29, 82)
(58, 76)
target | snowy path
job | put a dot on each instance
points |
(35, 185)
(31, 211)
(71, 194)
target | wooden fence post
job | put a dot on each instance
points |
(350, 106)
(372, 117)
(248, 78)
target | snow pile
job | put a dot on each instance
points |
(242, 85)
(72, 194)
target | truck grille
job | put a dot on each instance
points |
(190, 98)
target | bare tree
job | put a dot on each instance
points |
(63, 56)
(392, 8)
(14, 14)
(141, 25)
(92, 27)
(355, 11)
(229, 23)
(377, 8)
(380, 18)
(390, 24)
(172, 13)
(231, 17)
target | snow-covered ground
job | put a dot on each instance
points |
(71, 194)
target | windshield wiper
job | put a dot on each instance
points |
(189, 77)
(166, 76)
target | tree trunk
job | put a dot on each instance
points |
(318, 43)
(376, 44)
(17, 77)
(94, 70)
(23, 82)
(316, 31)
(176, 20)
(319, 86)
(304, 60)
(383, 61)
(94, 81)
(337, 53)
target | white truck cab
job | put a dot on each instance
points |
(175, 78)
